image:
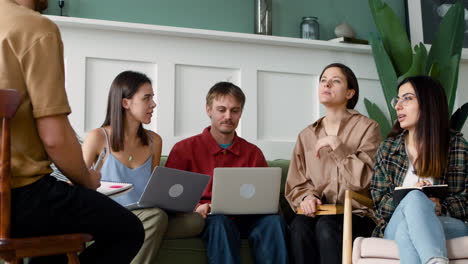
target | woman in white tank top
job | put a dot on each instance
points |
(131, 154)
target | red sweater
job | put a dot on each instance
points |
(202, 154)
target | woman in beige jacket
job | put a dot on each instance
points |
(332, 155)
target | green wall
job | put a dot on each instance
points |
(230, 15)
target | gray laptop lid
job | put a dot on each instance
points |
(239, 191)
(172, 190)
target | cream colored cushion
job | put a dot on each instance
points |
(378, 250)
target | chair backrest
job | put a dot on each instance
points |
(9, 103)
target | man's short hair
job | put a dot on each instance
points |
(222, 89)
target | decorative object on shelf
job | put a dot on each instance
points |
(310, 28)
(345, 30)
(350, 40)
(61, 4)
(263, 16)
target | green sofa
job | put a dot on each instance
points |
(192, 250)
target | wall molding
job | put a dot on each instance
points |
(279, 76)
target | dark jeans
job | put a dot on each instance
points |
(319, 239)
(50, 207)
(266, 234)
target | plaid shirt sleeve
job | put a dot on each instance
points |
(382, 189)
(456, 204)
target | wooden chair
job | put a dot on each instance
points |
(13, 250)
(378, 250)
(347, 210)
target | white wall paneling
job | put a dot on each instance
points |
(192, 85)
(286, 101)
(100, 72)
(278, 75)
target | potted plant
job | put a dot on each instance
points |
(395, 60)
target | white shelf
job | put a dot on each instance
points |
(207, 34)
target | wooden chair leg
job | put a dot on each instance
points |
(347, 229)
(348, 222)
(73, 258)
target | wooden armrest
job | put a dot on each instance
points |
(325, 209)
(364, 200)
(45, 245)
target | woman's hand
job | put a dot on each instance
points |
(309, 205)
(422, 183)
(436, 201)
(329, 141)
(438, 207)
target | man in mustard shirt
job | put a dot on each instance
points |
(31, 62)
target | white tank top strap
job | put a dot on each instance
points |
(107, 139)
(150, 142)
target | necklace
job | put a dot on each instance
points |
(130, 157)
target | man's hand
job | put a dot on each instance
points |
(203, 209)
(329, 141)
(309, 205)
(94, 179)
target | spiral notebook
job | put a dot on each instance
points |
(114, 188)
(438, 191)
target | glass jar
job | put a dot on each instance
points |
(310, 28)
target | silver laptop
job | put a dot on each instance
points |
(172, 190)
(238, 191)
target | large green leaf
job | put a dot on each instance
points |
(418, 66)
(449, 78)
(447, 73)
(446, 49)
(434, 71)
(393, 34)
(459, 117)
(387, 75)
(376, 114)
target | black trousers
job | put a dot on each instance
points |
(319, 239)
(50, 207)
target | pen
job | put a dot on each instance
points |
(99, 160)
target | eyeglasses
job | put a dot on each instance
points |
(403, 100)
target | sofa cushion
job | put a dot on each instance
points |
(457, 248)
(378, 248)
(192, 250)
(375, 248)
(285, 209)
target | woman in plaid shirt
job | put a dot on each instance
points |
(421, 150)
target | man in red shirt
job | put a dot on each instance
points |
(219, 146)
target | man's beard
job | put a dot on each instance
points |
(227, 132)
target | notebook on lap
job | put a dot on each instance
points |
(238, 191)
(172, 190)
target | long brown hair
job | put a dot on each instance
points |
(432, 134)
(125, 85)
(351, 80)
